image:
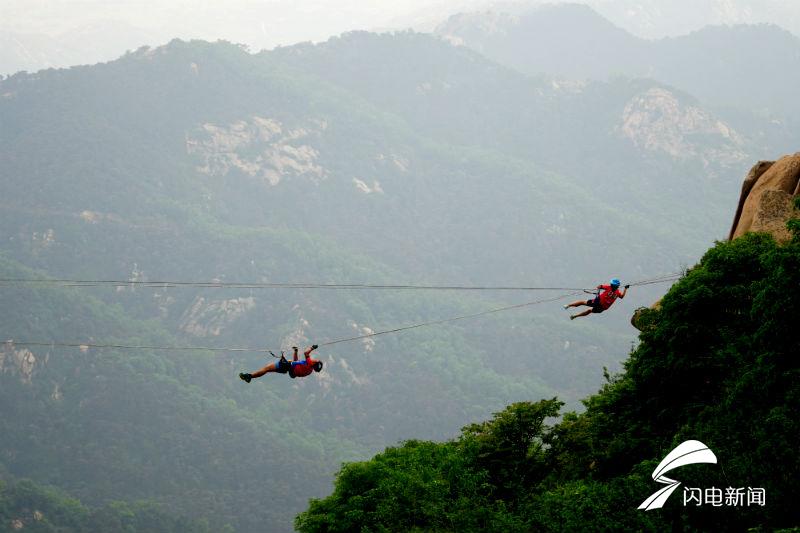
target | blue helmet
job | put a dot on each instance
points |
(615, 282)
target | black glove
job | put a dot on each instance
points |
(314, 346)
(627, 286)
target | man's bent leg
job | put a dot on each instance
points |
(583, 313)
(271, 367)
(577, 303)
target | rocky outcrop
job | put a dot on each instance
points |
(208, 318)
(259, 147)
(766, 201)
(658, 121)
(639, 318)
(20, 362)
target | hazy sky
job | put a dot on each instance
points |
(265, 23)
(259, 23)
(40, 33)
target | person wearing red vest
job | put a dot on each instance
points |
(606, 297)
(295, 368)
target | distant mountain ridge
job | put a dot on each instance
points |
(754, 67)
(84, 45)
(654, 19)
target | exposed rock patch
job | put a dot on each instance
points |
(209, 318)
(657, 121)
(17, 362)
(368, 343)
(766, 200)
(259, 147)
(366, 189)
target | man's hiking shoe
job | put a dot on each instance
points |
(245, 377)
(572, 317)
(566, 306)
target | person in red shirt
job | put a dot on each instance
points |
(295, 368)
(607, 295)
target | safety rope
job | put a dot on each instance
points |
(446, 320)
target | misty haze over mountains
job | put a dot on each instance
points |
(723, 66)
(40, 34)
(524, 155)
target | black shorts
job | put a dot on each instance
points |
(594, 303)
(282, 366)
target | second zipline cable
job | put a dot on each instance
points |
(86, 345)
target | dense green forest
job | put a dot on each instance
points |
(136, 425)
(717, 362)
(27, 506)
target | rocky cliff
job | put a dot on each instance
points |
(766, 201)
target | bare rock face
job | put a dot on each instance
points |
(658, 121)
(20, 362)
(766, 201)
(765, 204)
(208, 318)
(638, 314)
(261, 148)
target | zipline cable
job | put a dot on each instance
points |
(296, 285)
(87, 345)
(240, 285)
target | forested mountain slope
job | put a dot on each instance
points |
(716, 363)
(199, 161)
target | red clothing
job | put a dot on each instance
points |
(303, 368)
(608, 296)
